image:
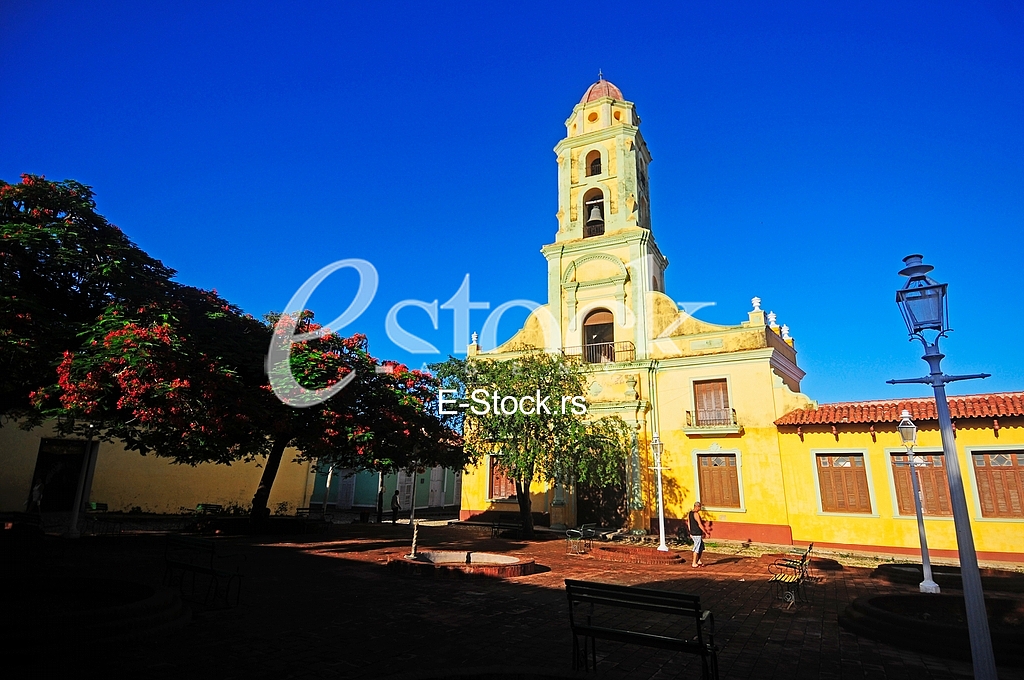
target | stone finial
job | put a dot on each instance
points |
(785, 332)
(756, 301)
(771, 319)
(474, 337)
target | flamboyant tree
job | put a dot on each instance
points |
(61, 265)
(385, 419)
(560, 442)
(96, 335)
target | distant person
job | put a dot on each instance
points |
(698, 530)
(35, 503)
(396, 505)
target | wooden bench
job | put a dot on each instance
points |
(314, 520)
(611, 625)
(507, 521)
(187, 555)
(97, 523)
(788, 574)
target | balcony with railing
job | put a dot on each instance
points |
(712, 421)
(603, 352)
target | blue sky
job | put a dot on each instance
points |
(800, 151)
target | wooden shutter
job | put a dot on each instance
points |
(712, 400)
(843, 483)
(502, 485)
(904, 485)
(719, 481)
(1000, 478)
(933, 481)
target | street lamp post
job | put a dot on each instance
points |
(923, 304)
(657, 448)
(908, 433)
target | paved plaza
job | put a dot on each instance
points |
(326, 606)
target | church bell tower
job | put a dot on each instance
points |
(604, 259)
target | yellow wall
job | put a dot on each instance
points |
(884, 526)
(476, 492)
(125, 480)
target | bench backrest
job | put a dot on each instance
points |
(633, 597)
(209, 508)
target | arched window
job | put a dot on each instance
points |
(593, 213)
(599, 337)
(593, 163)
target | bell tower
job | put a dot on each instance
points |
(602, 167)
(604, 260)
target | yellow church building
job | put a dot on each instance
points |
(724, 399)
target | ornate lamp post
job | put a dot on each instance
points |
(657, 448)
(923, 304)
(908, 433)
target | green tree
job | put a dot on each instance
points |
(558, 441)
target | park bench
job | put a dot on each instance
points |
(209, 509)
(788, 574)
(187, 556)
(578, 541)
(507, 521)
(97, 523)
(314, 520)
(607, 623)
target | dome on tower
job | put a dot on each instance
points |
(602, 88)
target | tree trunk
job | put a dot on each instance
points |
(260, 514)
(525, 506)
(380, 498)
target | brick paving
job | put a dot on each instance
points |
(328, 607)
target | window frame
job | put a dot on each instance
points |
(872, 501)
(491, 460)
(712, 451)
(920, 451)
(711, 378)
(970, 452)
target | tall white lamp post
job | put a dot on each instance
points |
(657, 448)
(908, 433)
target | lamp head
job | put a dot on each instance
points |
(908, 430)
(656, 446)
(922, 301)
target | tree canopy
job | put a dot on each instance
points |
(560, 441)
(97, 336)
(61, 265)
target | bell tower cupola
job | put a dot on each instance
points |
(602, 167)
(604, 266)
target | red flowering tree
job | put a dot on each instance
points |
(384, 419)
(61, 265)
(94, 333)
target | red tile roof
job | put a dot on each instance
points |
(997, 405)
(602, 88)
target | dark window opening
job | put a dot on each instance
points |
(593, 213)
(599, 337)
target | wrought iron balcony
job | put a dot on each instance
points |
(711, 418)
(596, 229)
(603, 352)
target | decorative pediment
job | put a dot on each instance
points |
(593, 271)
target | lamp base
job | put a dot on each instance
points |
(929, 587)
